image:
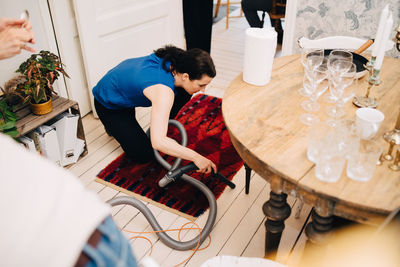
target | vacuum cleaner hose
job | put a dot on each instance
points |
(165, 238)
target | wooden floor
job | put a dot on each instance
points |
(239, 229)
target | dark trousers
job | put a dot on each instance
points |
(250, 8)
(123, 126)
(197, 21)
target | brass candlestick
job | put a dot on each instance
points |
(366, 101)
(395, 165)
(370, 64)
(388, 156)
(395, 133)
(380, 160)
(398, 39)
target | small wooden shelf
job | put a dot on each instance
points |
(27, 121)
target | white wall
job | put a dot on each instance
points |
(316, 19)
(41, 21)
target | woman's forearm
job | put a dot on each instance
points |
(171, 147)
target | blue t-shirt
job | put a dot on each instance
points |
(122, 86)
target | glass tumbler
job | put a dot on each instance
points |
(362, 162)
(322, 134)
(329, 165)
(350, 140)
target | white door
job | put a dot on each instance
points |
(111, 31)
(44, 36)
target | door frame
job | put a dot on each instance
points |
(49, 30)
(67, 37)
(290, 26)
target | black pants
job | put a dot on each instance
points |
(197, 21)
(123, 126)
(250, 8)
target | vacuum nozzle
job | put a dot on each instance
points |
(166, 180)
(172, 176)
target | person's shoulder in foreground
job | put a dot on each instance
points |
(47, 213)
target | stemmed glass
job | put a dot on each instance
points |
(310, 59)
(316, 83)
(335, 55)
(341, 88)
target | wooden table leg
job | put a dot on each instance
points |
(318, 232)
(277, 211)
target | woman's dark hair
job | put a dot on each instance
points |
(194, 62)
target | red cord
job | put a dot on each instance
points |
(179, 238)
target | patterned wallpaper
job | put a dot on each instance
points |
(358, 18)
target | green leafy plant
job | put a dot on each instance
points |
(8, 119)
(40, 71)
(9, 98)
(10, 92)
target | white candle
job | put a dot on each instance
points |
(379, 33)
(385, 37)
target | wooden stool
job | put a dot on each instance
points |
(227, 10)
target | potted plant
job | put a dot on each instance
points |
(8, 100)
(40, 71)
(8, 119)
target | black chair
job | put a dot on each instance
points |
(248, 174)
(277, 13)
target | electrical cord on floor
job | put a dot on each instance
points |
(195, 249)
(174, 172)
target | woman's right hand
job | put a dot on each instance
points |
(13, 40)
(204, 164)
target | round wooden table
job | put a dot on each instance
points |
(263, 122)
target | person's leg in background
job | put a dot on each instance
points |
(123, 126)
(250, 8)
(197, 21)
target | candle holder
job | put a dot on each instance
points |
(388, 156)
(380, 160)
(398, 39)
(395, 165)
(395, 133)
(366, 101)
(370, 64)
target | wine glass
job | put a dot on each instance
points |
(340, 54)
(316, 83)
(342, 90)
(310, 59)
(335, 55)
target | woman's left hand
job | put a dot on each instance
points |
(204, 164)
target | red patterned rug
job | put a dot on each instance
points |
(207, 134)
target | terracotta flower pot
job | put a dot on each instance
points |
(42, 109)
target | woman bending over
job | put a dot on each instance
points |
(164, 80)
